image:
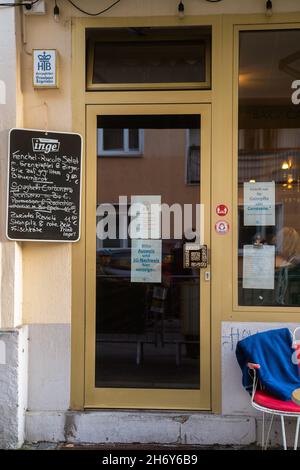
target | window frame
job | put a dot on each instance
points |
(123, 242)
(90, 86)
(126, 151)
(242, 312)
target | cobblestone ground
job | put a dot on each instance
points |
(112, 447)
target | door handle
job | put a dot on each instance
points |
(195, 256)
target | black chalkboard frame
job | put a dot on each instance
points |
(45, 133)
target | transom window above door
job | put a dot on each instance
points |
(148, 58)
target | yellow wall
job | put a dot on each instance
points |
(46, 283)
(47, 266)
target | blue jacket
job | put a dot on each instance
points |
(273, 351)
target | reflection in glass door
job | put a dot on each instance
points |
(149, 322)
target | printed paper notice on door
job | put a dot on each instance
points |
(145, 212)
(259, 203)
(259, 267)
(146, 260)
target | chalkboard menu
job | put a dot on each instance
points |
(44, 186)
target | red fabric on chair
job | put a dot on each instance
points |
(268, 401)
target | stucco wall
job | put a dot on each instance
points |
(13, 386)
(47, 267)
(10, 116)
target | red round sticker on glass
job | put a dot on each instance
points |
(222, 227)
(221, 210)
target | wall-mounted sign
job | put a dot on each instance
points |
(44, 186)
(259, 203)
(45, 68)
(222, 227)
(221, 210)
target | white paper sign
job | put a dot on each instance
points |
(259, 203)
(147, 216)
(146, 260)
(145, 232)
(259, 267)
(45, 68)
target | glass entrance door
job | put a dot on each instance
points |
(147, 299)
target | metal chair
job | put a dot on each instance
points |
(262, 401)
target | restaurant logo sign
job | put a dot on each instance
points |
(45, 145)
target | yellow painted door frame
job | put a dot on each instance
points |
(145, 398)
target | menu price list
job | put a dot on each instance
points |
(44, 186)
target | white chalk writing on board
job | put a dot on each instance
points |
(44, 186)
